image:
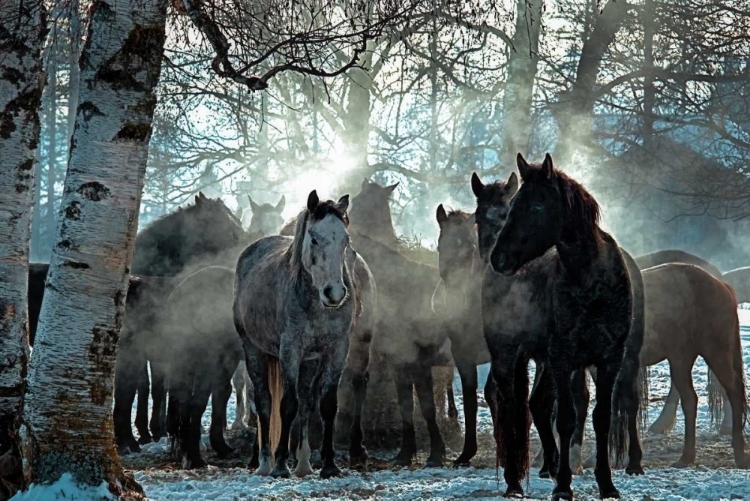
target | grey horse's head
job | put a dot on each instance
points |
(267, 218)
(325, 247)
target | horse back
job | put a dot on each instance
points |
(688, 310)
(675, 256)
(262, 283)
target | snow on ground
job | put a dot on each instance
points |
(66, 489)
(660, 483)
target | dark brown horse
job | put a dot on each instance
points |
(459, 306)
(553, 217)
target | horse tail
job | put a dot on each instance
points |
(739, 366)
(715, 399)
(275, 386)
(644, 384)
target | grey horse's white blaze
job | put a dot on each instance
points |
(324, 258)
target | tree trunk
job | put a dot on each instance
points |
(519, 87)
(74, 36)
(68, 415)
(51, 126)
(22, 32)
(573, 113)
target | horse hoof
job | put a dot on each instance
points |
(193, 464)
(330, 470)
(303, 471)
(634, 470)
(515, 492)
(281, 472)
(145, 439)
(358, 458)
(680, 464)
(557, 496)
(224, 452)
(462, 463)
(402, 459)
(610, 494)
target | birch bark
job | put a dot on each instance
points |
(68, 414)
(519, 87)
(22, 32)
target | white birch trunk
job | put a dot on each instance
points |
(68, 414)
(22, 31)
(519, 87)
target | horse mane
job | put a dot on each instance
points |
(458, 214)
(583, 210)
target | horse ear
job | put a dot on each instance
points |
(547, 167)
(198, 199)
(365, 183)
(312, 201)
(253, 205)
(389, 189)
(441, 215)
(476, 185)
(472, 219)
(512, 185)
(343, 203)
(523, 166)
(282, 203)
(202, 196)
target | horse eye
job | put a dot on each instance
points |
(537, 208)
(313, 241)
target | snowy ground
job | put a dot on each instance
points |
(712, 479)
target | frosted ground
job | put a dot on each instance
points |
(713, 478)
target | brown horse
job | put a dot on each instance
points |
(668, 416)
(684, 299)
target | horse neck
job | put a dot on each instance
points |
(579, 251)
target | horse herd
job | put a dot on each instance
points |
(529, 275)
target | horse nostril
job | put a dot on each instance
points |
(327, 292)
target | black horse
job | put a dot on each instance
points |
(553, 218)
(206, 232)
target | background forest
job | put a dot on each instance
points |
(646, 103)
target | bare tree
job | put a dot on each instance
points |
(68, 413)
(22, 32)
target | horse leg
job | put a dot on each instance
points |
(221, 390)
(509, 450)
(141, 412)
(402, 378)
(731, 378)
(468, 374)
(158, 396)
(290, 360)
(329, 408)
(538, 461)
(238, 381)
(668, 416)
(602, 416)
(125, 391)
(452, 409)
(422, 378)
(309, 377)
(581, 398)
(561, 375)
(257, 368)
(197, 406)
(541, 404)
(682, 377)
(357, 362)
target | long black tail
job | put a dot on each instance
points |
(628, 394)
